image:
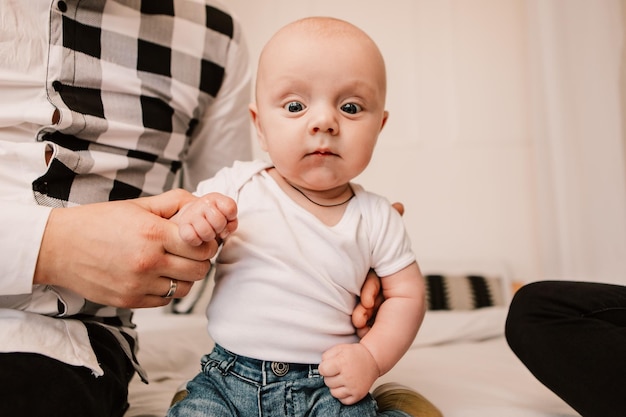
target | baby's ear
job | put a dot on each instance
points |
(385, 118)
(254, 114)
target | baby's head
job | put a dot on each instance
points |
(320, 101)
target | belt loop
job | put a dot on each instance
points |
(228, 363)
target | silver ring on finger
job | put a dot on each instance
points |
(172, 290)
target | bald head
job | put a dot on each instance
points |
(326, 38)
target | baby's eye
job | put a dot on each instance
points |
(294, 107)
(351, 108)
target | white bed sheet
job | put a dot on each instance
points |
(460, 361)
(477, 379)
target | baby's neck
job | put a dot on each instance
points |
(327, 205)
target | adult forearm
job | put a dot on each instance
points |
(121, 253)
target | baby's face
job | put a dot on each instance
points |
(320, 105)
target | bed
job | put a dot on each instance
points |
(459, 360)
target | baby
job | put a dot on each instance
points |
(299, 239)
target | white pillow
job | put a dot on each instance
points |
(451, 326)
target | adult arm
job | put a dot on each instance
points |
(78, 239)
(121, 253)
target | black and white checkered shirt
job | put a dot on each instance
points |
(134, 83)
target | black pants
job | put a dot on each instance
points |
(572, 337)
(33, 385)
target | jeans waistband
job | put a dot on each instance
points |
(259, 371)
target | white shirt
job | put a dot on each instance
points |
(286, 283)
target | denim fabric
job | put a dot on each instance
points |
(231, 385)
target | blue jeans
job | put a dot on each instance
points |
(231, 385)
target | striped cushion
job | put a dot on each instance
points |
(463, 292)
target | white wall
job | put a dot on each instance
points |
(457, 149)
(578, 73)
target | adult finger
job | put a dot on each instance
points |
(184, 268)
(167, 204)
(175, 245)
(399, 207)
(370, 290)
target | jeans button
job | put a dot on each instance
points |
(280, 368)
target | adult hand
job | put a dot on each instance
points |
(371, 297)
(122, 253)
(370, 300)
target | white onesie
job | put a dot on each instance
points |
(286, 283)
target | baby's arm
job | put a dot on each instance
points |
(209, 217)
(349, 370)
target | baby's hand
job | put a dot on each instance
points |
(349, 371)
(211, 216)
